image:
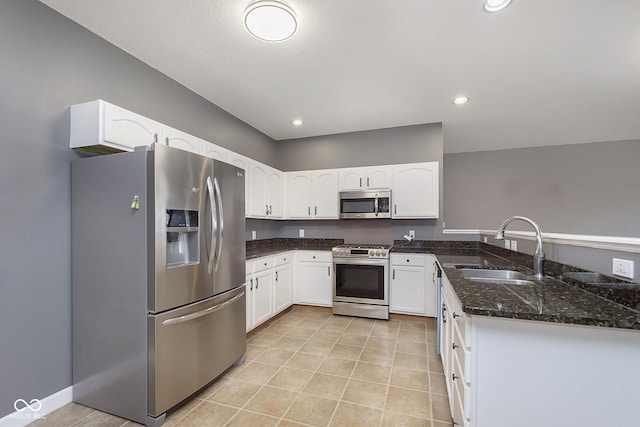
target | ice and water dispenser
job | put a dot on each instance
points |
(182, 238)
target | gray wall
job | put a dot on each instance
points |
(49, 63)
(580, 189)
(590, 189)
(407, 144)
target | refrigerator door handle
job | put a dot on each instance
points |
(206, 311)
(214, 224)
(218, 194)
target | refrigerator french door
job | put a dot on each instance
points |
(158, 278)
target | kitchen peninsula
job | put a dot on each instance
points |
(528, 355)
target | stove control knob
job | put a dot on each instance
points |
(372, 253)
(377, 253)
(384, 253)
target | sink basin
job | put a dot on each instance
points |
(491, 274)
(502, 277)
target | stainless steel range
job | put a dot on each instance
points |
(361, 286)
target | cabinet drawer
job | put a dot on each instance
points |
(283, 258)
(408, 259)
(462, 390)
(458, 413)
(314, 256)
(264, 263)
(460, 320)
(461, 354)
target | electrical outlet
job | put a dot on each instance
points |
(507, 244)
(301, 233)
(484, 238)
(412, 234)
(514, 245)
(623, 267)
(253, 234)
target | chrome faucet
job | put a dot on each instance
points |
(538, 255)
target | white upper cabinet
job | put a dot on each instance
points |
(313, 194)
(182, 140)
(415, 190)
(105, 127)
(365, 178)
(266, 191)
(214, 151)
(325, 194)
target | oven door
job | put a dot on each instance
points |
(361, 280)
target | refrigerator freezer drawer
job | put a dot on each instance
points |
(192, 345)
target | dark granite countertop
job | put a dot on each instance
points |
(562, 297)
(259, 248)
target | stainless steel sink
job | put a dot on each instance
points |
(503, 277)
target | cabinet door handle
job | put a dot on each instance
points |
(454, 377)
(329, 271)
(455, 316)
(315, 210)
(276, 276)
(454, 346)
(360, 182)
(395, 208)
(251, 288)
(367, 181)
(309, 210)
(393, 275)
(257, 283)
(266, 209)
(270, 209)
(444, 312)
(166, 140)
(155, 138)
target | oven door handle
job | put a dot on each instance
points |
(375, 205)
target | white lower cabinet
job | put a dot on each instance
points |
(314, 278)
(259, 291)
(412, 285)
(455, 351)
(283, 281)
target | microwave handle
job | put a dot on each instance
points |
(375, 206)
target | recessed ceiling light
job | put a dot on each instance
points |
(461, 100)
(270, 21)
(297, 122)
(495, 5)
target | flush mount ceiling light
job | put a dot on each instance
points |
(495, 5)
(461, 100)
(297, 122)
(270, 21)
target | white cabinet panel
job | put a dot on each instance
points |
(104, 127)
(182, 140)
(413, 286)
(313, 194)
(365, 178)
(314, 278)
(282, 286)
(266, 191)
(325, 194)
(214, 151)
(415, 190)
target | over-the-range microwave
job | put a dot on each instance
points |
(368, 204)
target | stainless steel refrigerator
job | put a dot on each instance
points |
(158, 272)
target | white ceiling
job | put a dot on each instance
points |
(540, 72)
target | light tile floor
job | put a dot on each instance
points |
(311, 368)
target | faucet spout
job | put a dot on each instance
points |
(538, 255)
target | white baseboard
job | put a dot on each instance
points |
(30, 410)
